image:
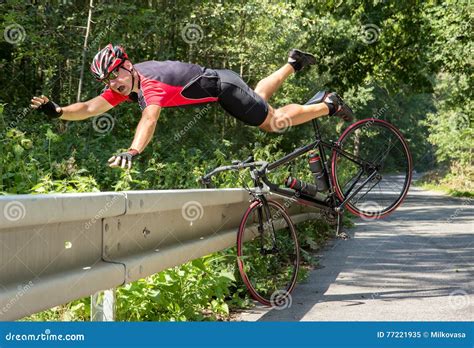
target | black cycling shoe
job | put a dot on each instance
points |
(337, 107)
(299, 59)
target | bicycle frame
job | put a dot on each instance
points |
(330, 203)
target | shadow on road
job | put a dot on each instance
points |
(424, 250)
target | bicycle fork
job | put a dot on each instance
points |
(261, 228)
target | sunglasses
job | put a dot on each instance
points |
(111, 76)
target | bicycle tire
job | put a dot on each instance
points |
(366, 140)
(270, 275)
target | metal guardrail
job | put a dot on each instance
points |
(58, 248)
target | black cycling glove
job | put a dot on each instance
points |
(49, 109)
(123, 159)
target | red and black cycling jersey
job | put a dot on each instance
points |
(169, 84)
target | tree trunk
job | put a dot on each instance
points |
(84, 51)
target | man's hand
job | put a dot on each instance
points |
(123, 159)
(143, 135)
(46, 106)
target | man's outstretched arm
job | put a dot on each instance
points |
(74, 112)
(143, 135)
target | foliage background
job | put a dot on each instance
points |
(417, 74)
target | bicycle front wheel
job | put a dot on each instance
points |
(372, 148)
(268, 253)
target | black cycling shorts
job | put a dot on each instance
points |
(239, 100)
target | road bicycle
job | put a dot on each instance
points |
(368, 170)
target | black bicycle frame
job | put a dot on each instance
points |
(330, 203)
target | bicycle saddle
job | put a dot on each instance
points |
(317, 98)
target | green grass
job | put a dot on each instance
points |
(456, 181)
(453, 192)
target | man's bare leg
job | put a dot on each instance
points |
(297, 60)
(266, 87)
(292, 115)
(295, 114)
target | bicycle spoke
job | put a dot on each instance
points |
(384, 154)
(378, 145)
(370, 189)
(268, 262)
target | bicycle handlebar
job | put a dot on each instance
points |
(206, 179)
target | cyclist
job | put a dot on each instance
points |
(161, 84)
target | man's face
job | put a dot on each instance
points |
(123, 83)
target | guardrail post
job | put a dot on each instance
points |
(103, 306)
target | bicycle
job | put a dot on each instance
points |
(369, 153)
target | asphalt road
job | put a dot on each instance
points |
(417, 264)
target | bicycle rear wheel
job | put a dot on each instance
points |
(384, 152)
(268, 253)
